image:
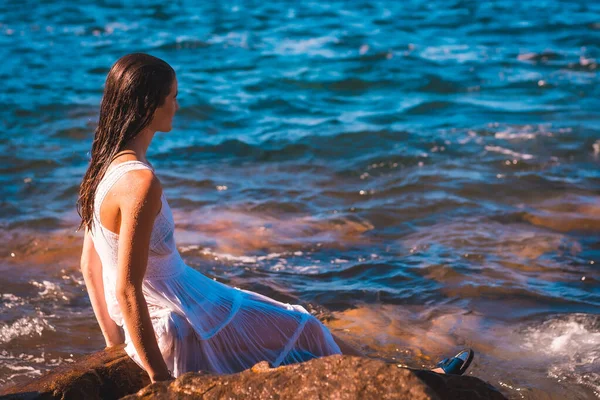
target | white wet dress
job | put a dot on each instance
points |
(201, 324)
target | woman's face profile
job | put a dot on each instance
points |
(163, 116)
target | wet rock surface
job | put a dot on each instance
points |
(107, 374)
(111, 374)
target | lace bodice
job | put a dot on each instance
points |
(164, 260)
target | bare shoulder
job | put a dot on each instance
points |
(140, 189)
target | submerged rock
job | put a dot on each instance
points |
(111, 374)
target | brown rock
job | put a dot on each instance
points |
(458, 387)
(334, 377)
(111, 374)
(107, 374)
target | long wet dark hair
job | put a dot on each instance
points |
(136, 85)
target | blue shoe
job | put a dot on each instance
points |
(458, 364)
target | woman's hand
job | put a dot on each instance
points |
(162, 377)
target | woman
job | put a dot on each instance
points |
(174, 319)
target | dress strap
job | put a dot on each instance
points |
(111, 176)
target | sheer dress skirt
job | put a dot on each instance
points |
(203, 325)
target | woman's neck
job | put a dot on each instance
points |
(140, 144)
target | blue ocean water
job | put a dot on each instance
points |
(426, 171)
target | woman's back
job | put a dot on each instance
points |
(163, 254)
(163, 258)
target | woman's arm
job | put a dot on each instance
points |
(91, 268)
(139, 207)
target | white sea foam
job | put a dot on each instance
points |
(339, 261)
(508, 152)
(460, 53)
(234, 39)
(47, 286)
(240, 259)
(313, 46)
(27, 365)
(515, 135)
(308, 269)
(572, 346)
(49, 290)
(25, 326)
(20, 368)
(10, 300)
(528, 132)
(30, 374)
